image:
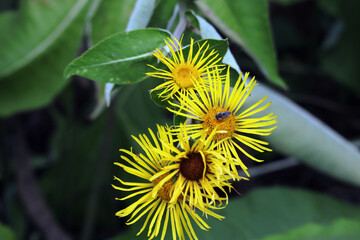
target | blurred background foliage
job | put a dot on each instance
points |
(58, 142)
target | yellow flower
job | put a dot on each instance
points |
(200, 168)
(217, 106)
(153, 195)
(182, 73)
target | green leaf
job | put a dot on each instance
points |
(305, 137)
(220, 46)
(37, 84)
(247, 24)
(111, 17)
(345, 71)
(141, 15)
(275, 210)
(77, 148)
(6, 233)
(337, 230)
(32, 30)
(136, 113)
(121, 59)
(178, 119)
(333, 7)
(288, 2)
(154, 95)
(162, 14)
(108, 11)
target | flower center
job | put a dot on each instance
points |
(164, 191)
(222, 118)
(183, 74)
(192, 167)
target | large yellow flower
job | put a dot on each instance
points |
(154, 194)
(182, 73)
(200, 168)
(218, 106)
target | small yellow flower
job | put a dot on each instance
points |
(154, 194)
(200, 167)
(217, 106)
(182, 73)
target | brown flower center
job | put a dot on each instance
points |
(192, 167)
(164, 191)
(221, 117)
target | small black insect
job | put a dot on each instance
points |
(222, 115)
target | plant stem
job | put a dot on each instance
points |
(30, 193)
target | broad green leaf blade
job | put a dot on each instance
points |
(305, 137)
(275, 210)
(161, 102)
(137, 112)
(288, 2)
(177, 119)
(33, 30)
(77, 151)
(141, 15)
(162, 16)
(247, 24)
(38, 83)
(111, 17)
(6, 233)
(220, 46)
(114, 16)
(347, 70)
(108, 11)
(121, 59)
(339, 229)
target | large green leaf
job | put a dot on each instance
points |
(137, 111)
(347, 70)
(36, 84)
(162, 16)
(6, 233)
(111, 17)
(121, 59)
(302, 135)
(339, 229)
(273, 211)
(288, 2)
(32, 30)
(108, 12)
(247, 24)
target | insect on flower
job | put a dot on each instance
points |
(222, 115)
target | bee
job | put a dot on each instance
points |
(222, 115)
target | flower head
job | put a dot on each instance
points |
(200, 168)
(154, 194)
(215, 106)
(183, 72)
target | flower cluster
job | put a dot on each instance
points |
(185, 171)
